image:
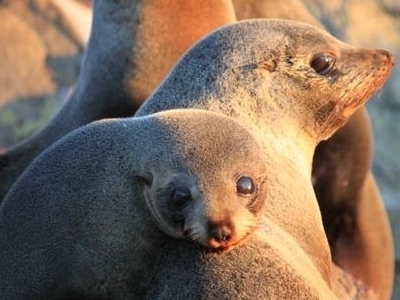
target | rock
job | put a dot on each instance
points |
(40, 58)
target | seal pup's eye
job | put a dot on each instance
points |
(180, 196)
(323, 63)
(245, 185)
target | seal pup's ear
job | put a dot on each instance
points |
(143, 179)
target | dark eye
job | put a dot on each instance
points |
(323, 63)
(245, 185)
(180, 196)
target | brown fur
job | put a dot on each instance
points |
(164, 33)
(145, 85)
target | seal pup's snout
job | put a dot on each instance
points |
(227, 233)
(220, 233)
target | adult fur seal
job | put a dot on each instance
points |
(77, 223)
(260, 77)
(343, 182)
(132, 46)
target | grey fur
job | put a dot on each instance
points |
(76, 224)
(259, 77)
(343, 180)
(114, 87)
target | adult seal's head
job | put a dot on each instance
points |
(271, 71)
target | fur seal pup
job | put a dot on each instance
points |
(132, 46)
(253, 71)
(82, 221)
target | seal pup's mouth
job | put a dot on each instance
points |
(229, 247)
(218, 244)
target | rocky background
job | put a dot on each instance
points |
(40, 57)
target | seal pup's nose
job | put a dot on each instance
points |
(220, 234)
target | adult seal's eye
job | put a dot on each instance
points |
(180, 196)
(323, 63)
(245, 185)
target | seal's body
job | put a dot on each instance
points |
(132, 46)
(79, 223)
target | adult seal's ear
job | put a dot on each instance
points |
(132, 46)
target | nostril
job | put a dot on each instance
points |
(386, 54)
(220, 232)
(225, 237)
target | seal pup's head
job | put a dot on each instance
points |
(210, 187)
